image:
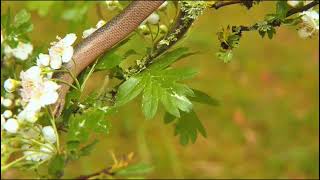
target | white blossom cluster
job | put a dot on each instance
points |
(28, 96)
(310, 20)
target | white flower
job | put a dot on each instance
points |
(88, 32)
(304, 33)
(7, 114)
(62, 50)
(44, 153)
(153, 18)
(37, 90)
(56, 62)
(49, 134)
(43, 60)
(163, 5)
(22, 51)
(11, 125)
(6, 102)
(30, 113)
(310, 24)
(10, 85)
(293, 3)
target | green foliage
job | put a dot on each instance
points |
(15, 28)
(229, 39)
(91, 120)
(56, 166)
(187, 126)
(159, 83)
(136, 169)
(203, 98)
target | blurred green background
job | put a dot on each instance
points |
(267, 124)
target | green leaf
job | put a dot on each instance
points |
(180, 74)
(91, 120)
(282, 8)
(130, 52)
(21, 17)
(129, 90)
(56, 166)
(188, 126)
(225, 56)
(169, 104)
(137, 169)
(168, 118)
(150, 100)
(169, 58)
(203, 98)
(86, 150)
(109, 61)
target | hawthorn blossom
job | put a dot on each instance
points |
(310, 24)
(61, 51)
(43, 153)
(43, 60)
(22, 51)
(36, 89)
(89, 31)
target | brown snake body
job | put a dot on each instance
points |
(102, 40)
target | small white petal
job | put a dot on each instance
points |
(55, 62)
(67, 54)
(88, 32)
(69, 39)
(43, 60)
(153, 18)
(100, 24)
(49, 98)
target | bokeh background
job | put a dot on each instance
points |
(267, 124)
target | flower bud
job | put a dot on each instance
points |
(49, 134)
(10, 85)
(11, 125)
(6, 102)
(144, 29)
(7, 114)
(163, 28)
(153, 18)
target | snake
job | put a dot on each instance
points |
(100, 41)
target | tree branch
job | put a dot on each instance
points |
(289, 13)
(303, 8)
(106, 171)
(218, 5)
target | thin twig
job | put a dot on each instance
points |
(303, 8)
(106, 171)
(218, 5)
